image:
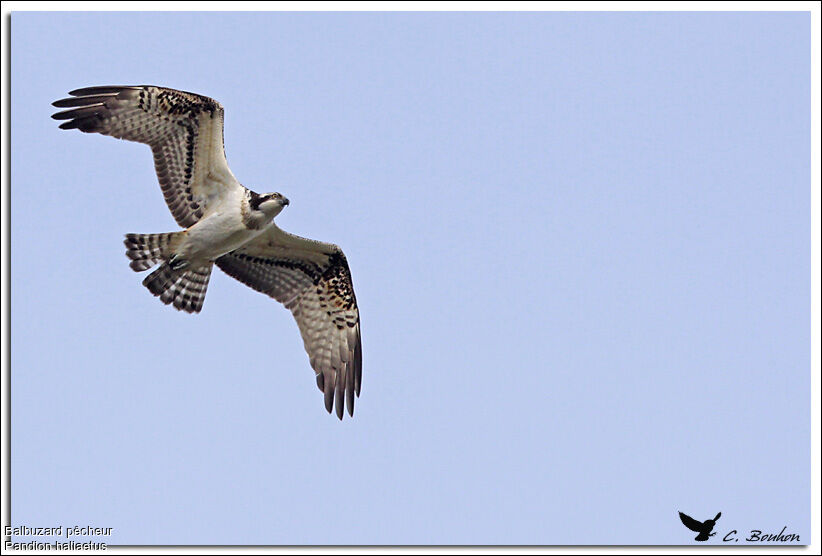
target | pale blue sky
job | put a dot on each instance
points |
(580, 244)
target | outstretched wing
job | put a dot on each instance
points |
(184, 131)
(311, 279)
(690, 522)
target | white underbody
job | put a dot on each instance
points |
(220, 231)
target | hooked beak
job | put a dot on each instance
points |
(284, 202)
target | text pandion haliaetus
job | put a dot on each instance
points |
(227, 224)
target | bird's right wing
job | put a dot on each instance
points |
(313, 281)
(184, 131)
(690, 522)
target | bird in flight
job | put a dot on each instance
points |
(703, 528)
(228, 225)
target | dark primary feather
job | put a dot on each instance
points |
(88, 91)
(81, 101)
(173, 123)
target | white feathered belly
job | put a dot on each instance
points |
(216, 235)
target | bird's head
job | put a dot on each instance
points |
(269, 204)
(261, 209)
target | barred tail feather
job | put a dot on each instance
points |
(184, 288)
(146, 250)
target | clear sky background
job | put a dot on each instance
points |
(580, 244)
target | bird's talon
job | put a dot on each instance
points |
(177, 263)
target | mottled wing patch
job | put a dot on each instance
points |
(184, 131)
(320, 295)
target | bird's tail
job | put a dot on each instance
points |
(185, 288)
(146, 250)
(176, 282)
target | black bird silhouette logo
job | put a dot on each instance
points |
(703, 528)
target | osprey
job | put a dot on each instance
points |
(228, 225)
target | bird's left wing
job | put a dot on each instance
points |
(313, 280)
(184, 131)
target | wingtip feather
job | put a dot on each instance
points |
(349, 389)
(329, 396)
(85, 91)
(72, 124)
(83, 101)
(339, 392)
(82, 112)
